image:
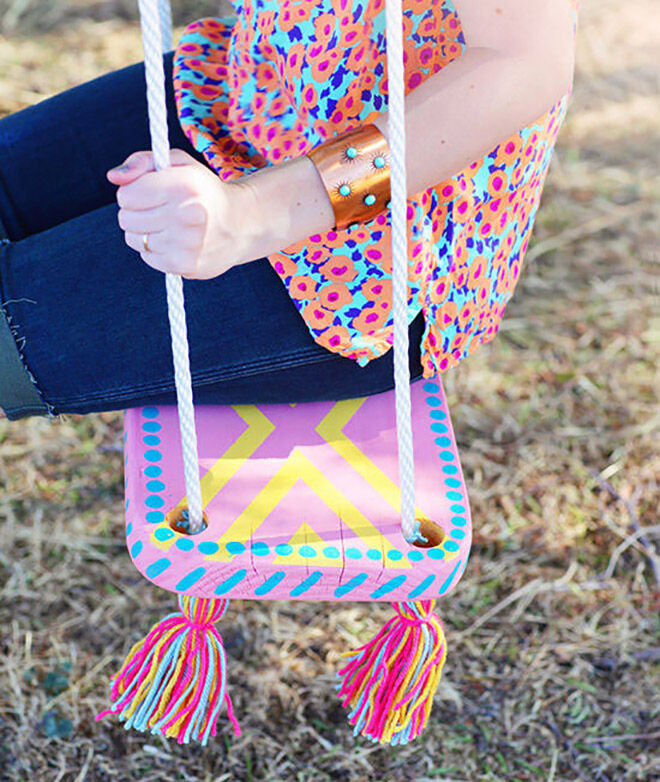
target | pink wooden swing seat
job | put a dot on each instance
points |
(302, 501)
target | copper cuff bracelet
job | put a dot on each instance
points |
(355, 169)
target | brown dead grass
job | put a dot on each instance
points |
(553, 632)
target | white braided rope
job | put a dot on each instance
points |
(397, 144)
(155, 15)
(155, 44)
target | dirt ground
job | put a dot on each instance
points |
(553, 631)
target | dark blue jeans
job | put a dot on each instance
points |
(89, 318)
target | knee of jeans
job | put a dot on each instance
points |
(26, 411)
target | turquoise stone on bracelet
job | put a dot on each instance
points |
(351, 152)
(344, 190)
(370, 199)
(379, 162)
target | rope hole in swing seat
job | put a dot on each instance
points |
(177, 519)
(301, 501)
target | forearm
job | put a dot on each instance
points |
(451, 120)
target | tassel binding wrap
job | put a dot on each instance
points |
(390, 682)
(173, 682)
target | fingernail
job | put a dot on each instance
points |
(123, 167)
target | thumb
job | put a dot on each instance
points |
(134, 166)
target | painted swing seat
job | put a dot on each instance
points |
(302, 501)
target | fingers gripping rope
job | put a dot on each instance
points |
(156, 25)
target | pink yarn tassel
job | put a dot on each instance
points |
(390, 682)
(174, 681)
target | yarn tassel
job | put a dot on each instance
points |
(390, 682)
(173, 682)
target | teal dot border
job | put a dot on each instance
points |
(458, 502)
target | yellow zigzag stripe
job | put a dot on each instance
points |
(259, 429)
(330, 430)
(298, 467)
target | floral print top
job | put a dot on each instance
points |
(285, 76)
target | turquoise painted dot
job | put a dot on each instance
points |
(283, 549)
(331, 552)
(436, 553)
(136, 548)
(270, 583)
(163, 534)
(451, 545)
(127, 503)
(450, 469)
(431, 388)
(370, 199)
(439, 428)
(151, 426)
(129, 528)
(151, 439)
(453, 482)
(440, 415)
(394, 555)
(446, 456)
(415, 556)
(445, 442)
(260, 549)
(421, 588)
(433, 401)
(351, 152)
(306, 584)
(307, 551)
(379, 161)
(154, 501)
(154, 517)
(155, 486)
(388, 586)
(234, 547)
(157, 567)
(190, 579)
(449, 578)
(453, 495)
(150, 412)
(153, 456)
(230, 582)
(185, 544)
(153, 471)
(353, 553)
(374, 554)
(349, 586)
(459, 521)
(207, 547)
(457, 509)
(457, 534)
(344, 190)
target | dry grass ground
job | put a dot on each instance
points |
(553, 631)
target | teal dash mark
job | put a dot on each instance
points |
(449, 578)
(422, 587)
(136, 548)
(388, 586)
(270, 583)
(349, 586)
(231, 582)
(157, 567)
(309, 582)
(192, 578)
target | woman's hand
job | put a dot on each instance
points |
(198, 226)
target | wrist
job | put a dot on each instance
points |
(292, 201)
